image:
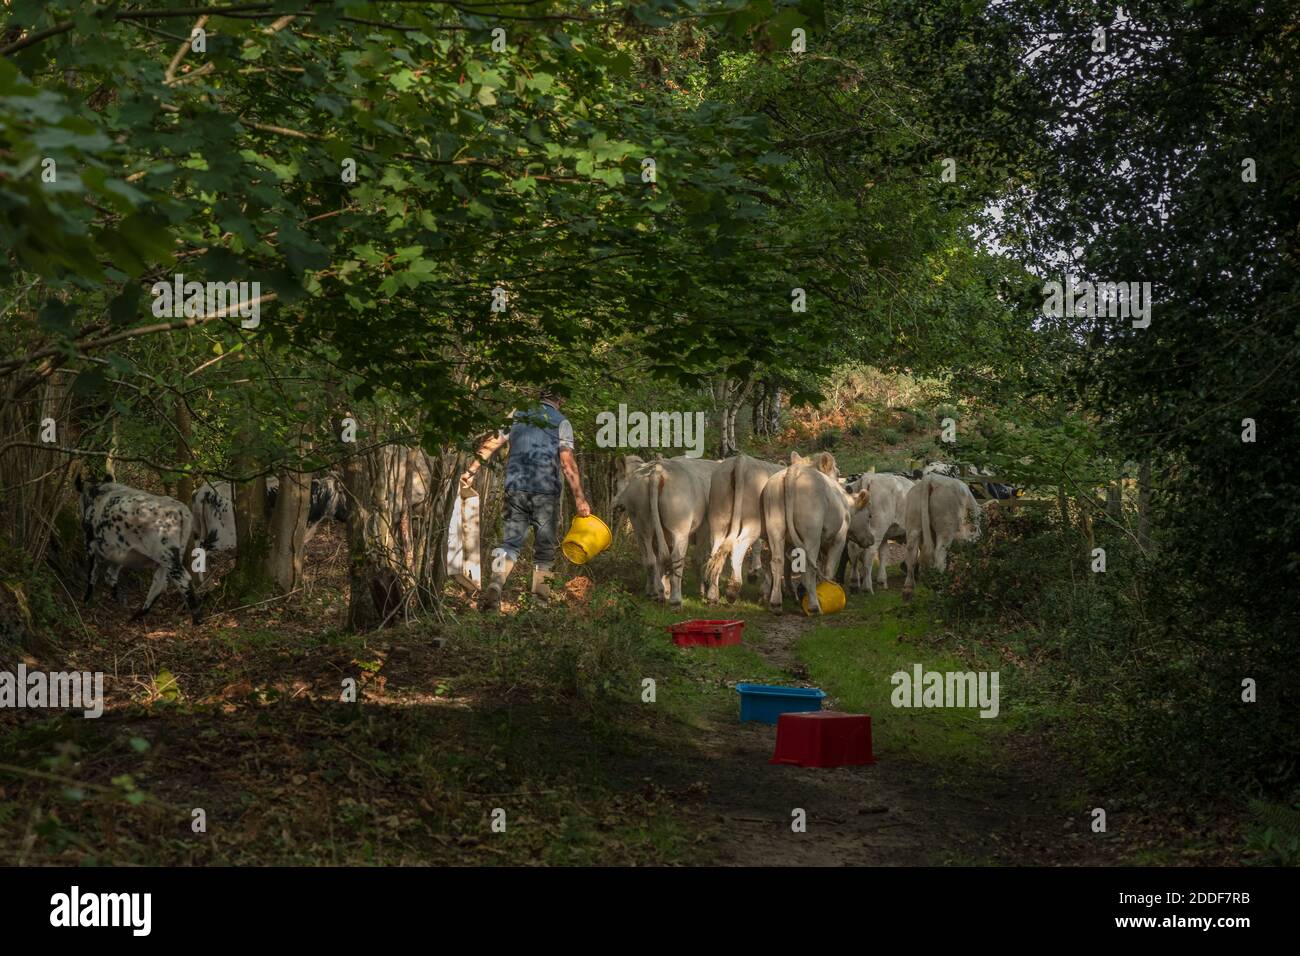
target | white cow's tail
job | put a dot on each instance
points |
(719, 558)
(927, 546)
(657, 477)
(733, 532)
(790, 530)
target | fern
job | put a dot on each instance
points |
(1278, 817)
(1276, 832)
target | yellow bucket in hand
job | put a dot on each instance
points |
(830, 596)
(587, 537)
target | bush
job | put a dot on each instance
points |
(30, 608)
(1001, 578)
(891, 436)
(1151, 679)
(596, 652)
(828, 439)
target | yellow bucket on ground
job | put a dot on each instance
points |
(587, 537)
(830, 596)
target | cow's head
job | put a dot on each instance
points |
(624, 467)
(89, 491)
(823, 462)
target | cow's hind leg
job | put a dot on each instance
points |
(713, 569)
(90, 577)
(179, 577)
(111, 578)
(676, 567)
(739, 549)
(813, 560)
(651, 565)
(776, 572)
(941, 546)
(912, 564)
(155, 588)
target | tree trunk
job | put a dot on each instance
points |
(289, 533)
(728, 396)
(363, 613)
(288, 530)
(1085, 524)
(249, 578)
(773, 410)
(444, 481)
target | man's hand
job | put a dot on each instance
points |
(467, 479)
(583, 507)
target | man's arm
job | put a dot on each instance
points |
(569, 465)
(484, 454)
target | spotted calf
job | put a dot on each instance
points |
(129, 528)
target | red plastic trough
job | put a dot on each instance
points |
(706, 633)
(823, 739)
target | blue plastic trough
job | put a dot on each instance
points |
(765, 703)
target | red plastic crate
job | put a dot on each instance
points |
(823, 739)
(706, 633)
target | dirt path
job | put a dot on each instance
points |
(896, 812)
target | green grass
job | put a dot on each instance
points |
(853, 655)
(699, 690)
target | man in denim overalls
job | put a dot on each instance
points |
(541, 449)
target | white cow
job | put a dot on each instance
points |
(805, 507)
(735, 519)
(129, 528)
(938, 511)
(873, 527)
(667, 501)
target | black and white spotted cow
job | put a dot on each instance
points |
(214, 510)
(328, 500)
(214, 513)
(214, 517)
(129, 528)
(983, 491)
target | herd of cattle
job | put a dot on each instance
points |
(797, 521)
(804, 514)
